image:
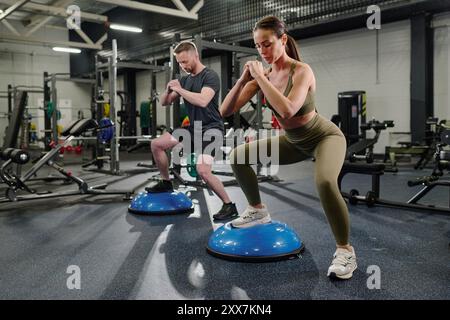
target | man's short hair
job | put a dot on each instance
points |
(185, 46)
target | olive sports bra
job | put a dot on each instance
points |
(308, 105)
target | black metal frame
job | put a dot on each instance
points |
(372, 197)
(20, 99)
(363, 149)
(16, 183)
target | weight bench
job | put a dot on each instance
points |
(372, 197)
(374, 170)
(16, 183)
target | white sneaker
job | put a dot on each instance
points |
(343, 264)
(251, 217)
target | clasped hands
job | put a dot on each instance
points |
(253, 70)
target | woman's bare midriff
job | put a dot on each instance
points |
(296, 122)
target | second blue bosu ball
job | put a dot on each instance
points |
(161, 203)
(265, 242)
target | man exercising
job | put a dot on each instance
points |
(200, 92)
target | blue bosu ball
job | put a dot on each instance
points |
(264, 242)
(161, 203)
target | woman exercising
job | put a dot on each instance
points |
(289, 89)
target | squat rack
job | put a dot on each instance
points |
(51, 96)
(17, 102)
(110, 67)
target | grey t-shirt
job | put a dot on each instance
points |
(209, 115)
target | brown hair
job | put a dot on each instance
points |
(279, 28)
(185, 46)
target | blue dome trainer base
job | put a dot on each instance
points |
(161, 203)
(265, 242)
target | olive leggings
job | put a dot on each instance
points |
(319, 138)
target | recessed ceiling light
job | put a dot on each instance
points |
(122, 27)
(70, 50)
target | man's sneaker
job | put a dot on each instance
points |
(251, 217)
(343, 264)
(228, 211)
(160, 186)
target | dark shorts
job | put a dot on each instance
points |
(207, 142)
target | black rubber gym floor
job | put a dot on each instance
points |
(125, 256)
